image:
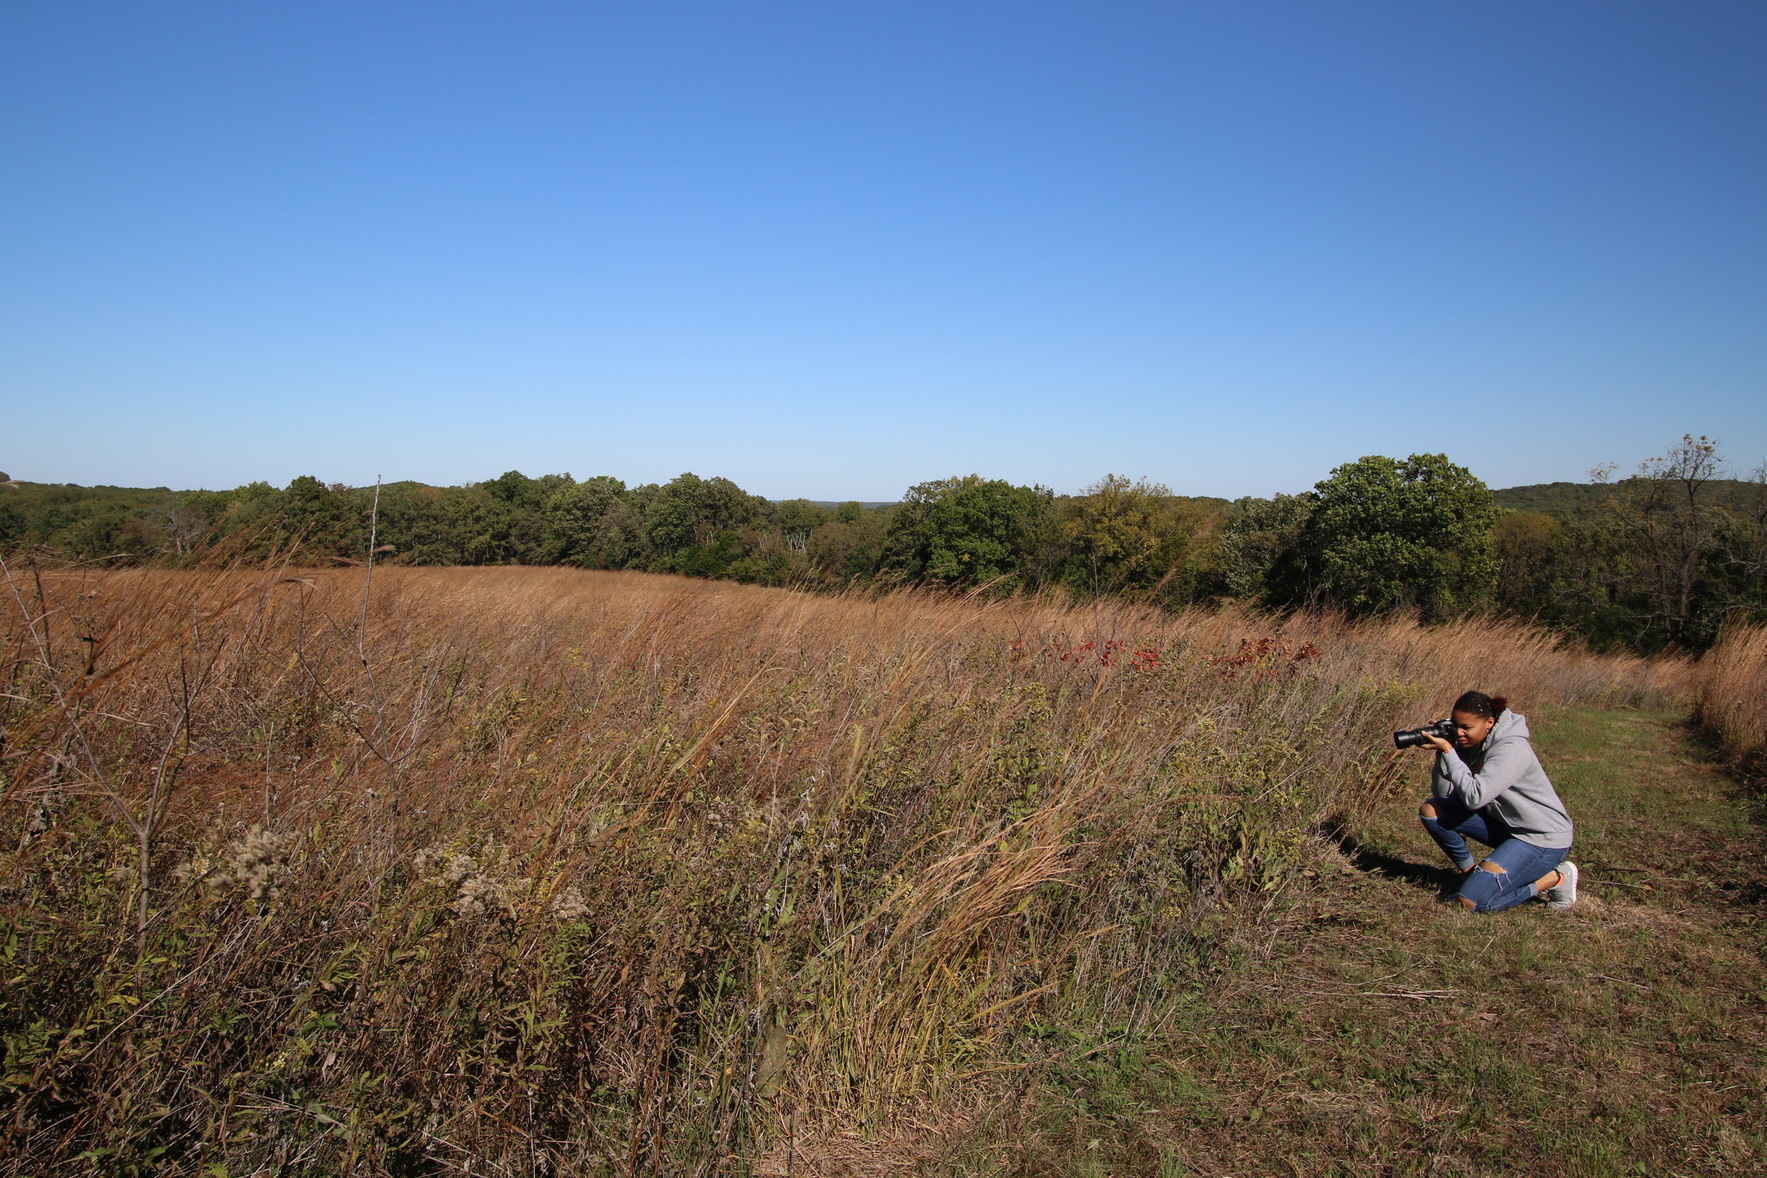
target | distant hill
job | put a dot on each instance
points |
(1555, 499)
(836, 504)
(1564, 499)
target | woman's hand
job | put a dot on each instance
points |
(1440, 745)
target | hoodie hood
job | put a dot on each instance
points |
(1510, 726)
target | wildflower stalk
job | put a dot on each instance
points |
(368, 578)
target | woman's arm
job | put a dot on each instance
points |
(1440, 784)
(1504, 765)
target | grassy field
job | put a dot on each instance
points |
(1377, 1029)
(517, 871)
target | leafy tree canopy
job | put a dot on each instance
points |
(966, 530)
(1259, 551)
(1385, 533)
(1122, 535)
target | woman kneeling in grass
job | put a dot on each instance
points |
(1489, 786)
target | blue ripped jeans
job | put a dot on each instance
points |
(1522, 863)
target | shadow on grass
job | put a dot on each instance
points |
(1441, 880)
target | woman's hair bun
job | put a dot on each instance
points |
(1477, 703)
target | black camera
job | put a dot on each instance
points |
(1410, 738)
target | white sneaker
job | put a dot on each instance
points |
(1564, 893)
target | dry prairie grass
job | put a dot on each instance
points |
(541, 870)
(1731, 693)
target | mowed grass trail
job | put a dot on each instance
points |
(1383, 1030)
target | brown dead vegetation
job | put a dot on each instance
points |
(1731, 697)
(554, 871)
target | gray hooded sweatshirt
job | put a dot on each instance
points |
(1502, 772)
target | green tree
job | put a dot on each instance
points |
(252, 519)
(323, 520)
(575, 520)
(797, 519)
(484, 529)
(102, 533)
(12, 526)
(514, 488)
(1385, 534)
(1735, 574)
(1121, 535)
(851, 546)
(412, 526)
(967, 530)
(1574, 573)
(1674, 526)
(690, 513)
(1259, 558)
(616, 541)
(1743, 560)
(1530, 547)
(1684, 549)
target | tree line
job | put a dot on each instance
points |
(1660, 559)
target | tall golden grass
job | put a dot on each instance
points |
(1731, 693)
(560, 871)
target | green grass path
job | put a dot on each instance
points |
(1387, 1031)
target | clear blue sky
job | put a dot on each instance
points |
(834, 249)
